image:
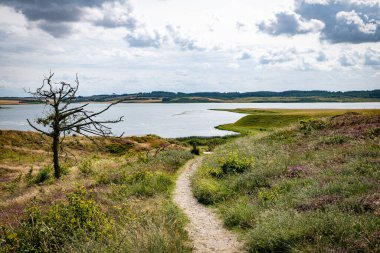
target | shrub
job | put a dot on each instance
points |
(232, 163)
(64, 222)
(43, 175)
(267, 196)
(118, 148)
(195, 150)
(334, 140)
(65, 169)
(85, 167)
(312, 124)
(208, 191)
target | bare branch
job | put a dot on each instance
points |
(37, 129)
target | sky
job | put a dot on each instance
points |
(128, 46)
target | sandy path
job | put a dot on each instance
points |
(205, 229)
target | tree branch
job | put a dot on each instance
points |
(37, 129)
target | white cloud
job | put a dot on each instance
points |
(134, 45)
(290, 23)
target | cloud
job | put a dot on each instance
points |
(57, 30)
(144, 39)
(349, 59)
(56, 17)
(240, 26)
(244, 55)
(372, 57)
(322, 57)
(182, 41)
(278, 56)
(344, 21)
(114, 14)
(169, 37)
(289, 23)
(352, 27)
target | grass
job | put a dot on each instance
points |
(114, 197)
(261, 120)
(314, 99)
(309, 187)
(307, 181)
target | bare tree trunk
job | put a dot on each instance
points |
(57, 170)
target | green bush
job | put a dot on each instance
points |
(43, 175)
(232, 163)
(195, 151)
(267, 196)
(85, 167)
(79, 218)
(335, 140)
(208, 191)
(118, 148)
(312, 124)
(65, 169)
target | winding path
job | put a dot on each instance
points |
(205, 229)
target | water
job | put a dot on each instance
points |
(167, 120)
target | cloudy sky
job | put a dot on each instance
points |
(125, 46)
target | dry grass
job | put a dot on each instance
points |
(22, 151)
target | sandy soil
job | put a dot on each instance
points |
(9, 102)
(205, 229)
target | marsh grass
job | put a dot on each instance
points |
(310, 188)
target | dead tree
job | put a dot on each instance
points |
(63, 117)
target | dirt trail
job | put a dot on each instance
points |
(205, 229)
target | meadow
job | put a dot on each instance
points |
(115, 195)
(298, 180)
(293, 181)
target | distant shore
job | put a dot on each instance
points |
(189, 100)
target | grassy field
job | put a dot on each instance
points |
(309, 186)
(296, 180)
(115, 195)
(261, 120)
(313, 99)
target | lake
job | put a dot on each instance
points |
(167, 120)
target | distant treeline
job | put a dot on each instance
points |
(233, 95)
(165, 96)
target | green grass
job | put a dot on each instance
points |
(309, 188)
(313, 99)
(123, 203)
(261, 120)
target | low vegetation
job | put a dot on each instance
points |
(114, 196)
(294, 181)
(312, 186)
(261, 120)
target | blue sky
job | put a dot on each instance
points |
(125, 46)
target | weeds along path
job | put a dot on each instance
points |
(205, 229)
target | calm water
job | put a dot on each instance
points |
(167, 120)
